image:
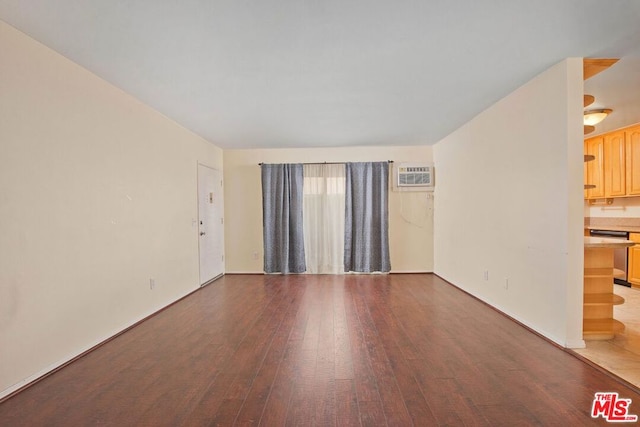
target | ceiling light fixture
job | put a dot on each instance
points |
(593, 117)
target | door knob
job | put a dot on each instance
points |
(202, 233)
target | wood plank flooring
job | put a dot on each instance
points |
(307, 350)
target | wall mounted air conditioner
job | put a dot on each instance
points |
(415, 175)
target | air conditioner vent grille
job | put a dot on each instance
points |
(415, 175)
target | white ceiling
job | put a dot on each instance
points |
(313, 73)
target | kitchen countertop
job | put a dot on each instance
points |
(628, 224)
(604, 242)
(629, 228)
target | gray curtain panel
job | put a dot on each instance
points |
(366, 234)
(282, 218)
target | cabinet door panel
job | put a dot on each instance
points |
(595, 168)
(586, 176)
(633, 161)
(614, 165)
(633, 262)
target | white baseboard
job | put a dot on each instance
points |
(244, 272)
(391, 272)
(411, 272)
(576, 344)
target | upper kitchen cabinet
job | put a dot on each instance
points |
(614, 164)
(595, 168)
(615, 172)
(633, 160)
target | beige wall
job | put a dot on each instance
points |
(97, 196)
(509, 201)
(410, 214)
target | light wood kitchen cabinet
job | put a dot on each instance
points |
(614, 164)
(615, 172)
(595, 168)
(633, 161)
(633, 261)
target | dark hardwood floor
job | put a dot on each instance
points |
(321, 350)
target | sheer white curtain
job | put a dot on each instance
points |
(323, 218)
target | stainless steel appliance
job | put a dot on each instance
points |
(619, 254)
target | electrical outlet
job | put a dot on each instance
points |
(255, 255)
(486, 275)
(506, 283)
(152, 283)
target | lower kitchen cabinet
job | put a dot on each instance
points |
(633, 268)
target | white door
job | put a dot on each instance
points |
(210, 223)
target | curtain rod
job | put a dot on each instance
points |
(325, 163)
